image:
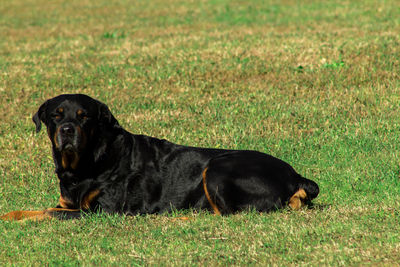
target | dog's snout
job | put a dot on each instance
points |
(67, 129)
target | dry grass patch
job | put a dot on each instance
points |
(315, 84)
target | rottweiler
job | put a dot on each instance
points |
(101, 166)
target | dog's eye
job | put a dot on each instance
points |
(57, 116)
(81, 115)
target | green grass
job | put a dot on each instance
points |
(313, 83)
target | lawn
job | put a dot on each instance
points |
(314, 83)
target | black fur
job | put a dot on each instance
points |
(111, 169)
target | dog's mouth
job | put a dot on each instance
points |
(70, 141)
(68, 148)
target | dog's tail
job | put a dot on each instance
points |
(310, 187)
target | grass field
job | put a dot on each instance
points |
(314, 83)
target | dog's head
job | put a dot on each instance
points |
(72, 123)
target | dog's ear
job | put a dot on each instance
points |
(106, 118)
(40, 116)
(108, 124)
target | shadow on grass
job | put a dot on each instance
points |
(320, 207)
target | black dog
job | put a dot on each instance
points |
(102, 166)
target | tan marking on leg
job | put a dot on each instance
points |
(60, 209)
(85, 203)
(297, 200)
(49, 211)
(35, 215)
(215, 208)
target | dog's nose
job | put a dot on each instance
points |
(67, 129)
